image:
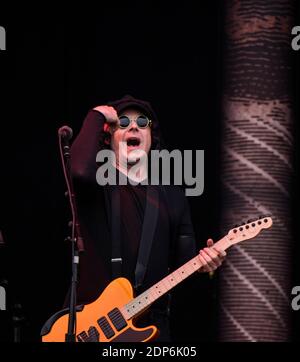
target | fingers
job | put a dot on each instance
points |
(204, 267)
(220, 252)
(214, 256)
(210, 242)
(207, 261)
(211, 257)
(109, 113)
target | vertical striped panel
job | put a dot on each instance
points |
(257, 169)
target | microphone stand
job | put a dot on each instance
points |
(65, 133)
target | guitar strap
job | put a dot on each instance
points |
(148, 230)
(116, 259)
(149, 227)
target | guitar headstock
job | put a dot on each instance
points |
(248, 230)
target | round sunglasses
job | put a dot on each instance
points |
(141, 121)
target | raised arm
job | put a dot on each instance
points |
(89, 141)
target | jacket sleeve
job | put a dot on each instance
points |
(86, 146)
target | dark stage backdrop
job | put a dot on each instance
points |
(57, 66)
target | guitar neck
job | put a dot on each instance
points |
(144, 300)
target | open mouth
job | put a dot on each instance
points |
(133, 142)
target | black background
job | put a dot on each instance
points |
(58, 65)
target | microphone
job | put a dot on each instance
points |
(65, 133)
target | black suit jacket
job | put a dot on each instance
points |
(95, 264)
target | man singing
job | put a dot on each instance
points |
(133, 229)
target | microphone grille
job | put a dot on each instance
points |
(66, 132)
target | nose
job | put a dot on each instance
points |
(133, 126)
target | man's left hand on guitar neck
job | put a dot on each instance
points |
(211, 257)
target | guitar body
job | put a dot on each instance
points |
(101, 321)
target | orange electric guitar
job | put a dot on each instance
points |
(110, 318)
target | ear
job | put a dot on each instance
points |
(107, 134)
(106, 127)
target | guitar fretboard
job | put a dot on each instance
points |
(141, 302)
